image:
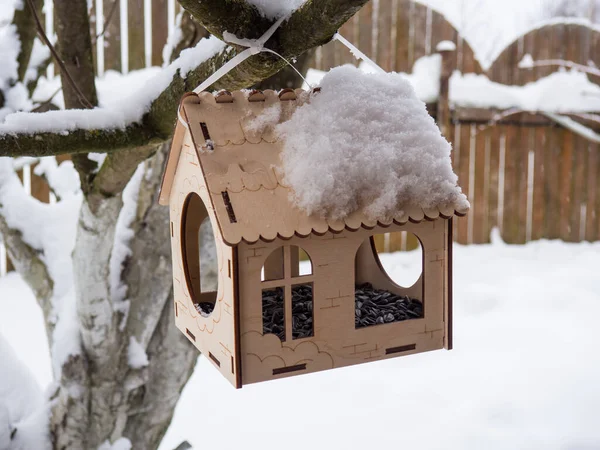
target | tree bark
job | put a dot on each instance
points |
(23, 19)
(72, 26)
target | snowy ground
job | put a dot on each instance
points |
(523, 375)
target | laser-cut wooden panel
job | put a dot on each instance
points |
(235, 173)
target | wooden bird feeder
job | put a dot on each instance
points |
(222, 170)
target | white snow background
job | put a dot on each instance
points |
(524, 372)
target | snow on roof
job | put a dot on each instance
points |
(359, 153)
(366, 142)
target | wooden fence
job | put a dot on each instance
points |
(526, 176)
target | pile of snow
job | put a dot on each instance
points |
(562, 91)
(119, 444)
(51, 231)
(523, 373)
(274, 9)
(366, 142)
(424, 78)
(23, 410)
(136, 355)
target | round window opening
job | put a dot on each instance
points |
(199, 254)
(400, 256)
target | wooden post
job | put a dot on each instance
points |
(443, 105)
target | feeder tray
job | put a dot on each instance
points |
(266, 319)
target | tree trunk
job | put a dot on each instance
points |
(101, 396)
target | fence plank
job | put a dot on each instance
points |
(566, 166)
(365, 28)
(494, 178)
(442, 30)
(597, 208)
(595, 54)
(462, 162)
(481, 194)
(403, 37)
(135, 21)
(39, 188)
(112, 35)
(420, 27)
(546, 37)
(552, 191)
(539, 175)
(511, 205)
(350, 31)
(578, 181)
(384, 41)
(592, 185)
(522, 154)
(160, 30)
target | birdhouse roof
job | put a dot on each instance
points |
(241, 166)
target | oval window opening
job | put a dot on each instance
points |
(400, 255)
(199, 254)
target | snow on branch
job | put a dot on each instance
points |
(149, 114)
(102, 129)
(529, 63)
(41, 238)
(574, 126)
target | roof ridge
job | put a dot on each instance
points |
(251, 95)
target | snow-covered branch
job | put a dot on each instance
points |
(529, 63)
(148, 115)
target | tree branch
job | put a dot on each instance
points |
(116, 171)
(560, 63)
(26, 30)
(191, 33)
(30, 266)
(313, 25)
(173, 360)
(76, 141)
(64, 71)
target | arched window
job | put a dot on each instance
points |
(389, 287)
(287, 293)
(199, 254)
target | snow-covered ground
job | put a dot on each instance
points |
(524, 373)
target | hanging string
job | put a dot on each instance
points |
(255, 46)
(356, 52)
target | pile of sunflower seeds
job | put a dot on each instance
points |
(204, 308)
(274, 317)
(376, 306)
(302, 307)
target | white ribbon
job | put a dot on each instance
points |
(255, 46)
(356, 52)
